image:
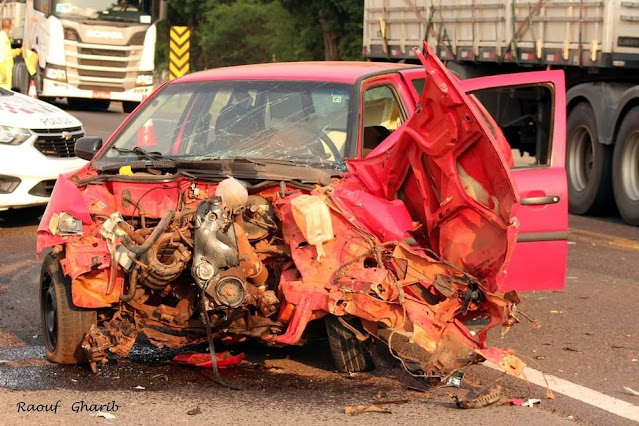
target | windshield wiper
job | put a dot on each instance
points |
(266, 160)
(141, 153)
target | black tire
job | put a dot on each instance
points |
(588, 164)
(63, 325)
(625, 177)
(349, 354)
(128, 107)
(21, 77)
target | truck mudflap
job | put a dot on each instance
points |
(414, 242)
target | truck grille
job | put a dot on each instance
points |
(112, 68)
(57, 143)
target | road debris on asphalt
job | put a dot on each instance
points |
(354, 410)
(102, 414)
(479, 398)
(195, 411)
(203, 360)
(455, 380)
(525, 403)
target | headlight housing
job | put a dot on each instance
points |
(55, 72)
(13, 135)
(144, 80)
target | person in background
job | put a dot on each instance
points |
(6, 54)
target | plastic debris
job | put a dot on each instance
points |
(631, 391)
(224, 359)
(455, 380)
(359, 409)
(138, 387)
(107, 416)
(527, 403)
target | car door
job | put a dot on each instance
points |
(530, 109)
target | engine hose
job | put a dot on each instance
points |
(159, 230)
(216, 373)
(133, 283)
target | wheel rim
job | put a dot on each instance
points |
(50, 313)
(580, 158)
(630, 167)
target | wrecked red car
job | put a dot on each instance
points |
(247, 202)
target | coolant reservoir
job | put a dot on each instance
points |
(233, 193)
(313, 218)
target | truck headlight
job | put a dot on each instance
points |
(13, 135)
(144, 80)
(55, 72)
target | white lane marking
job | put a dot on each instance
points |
(578, 392)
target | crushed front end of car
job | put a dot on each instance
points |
(407, 246)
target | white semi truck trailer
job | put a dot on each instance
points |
(596, 43)
(89, 51)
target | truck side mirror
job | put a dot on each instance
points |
(87, 146)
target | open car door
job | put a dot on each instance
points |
(530, 108)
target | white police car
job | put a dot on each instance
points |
(36, 146)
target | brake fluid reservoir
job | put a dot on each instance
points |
(233, 193)
(313, 218)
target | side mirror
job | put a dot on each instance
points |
(87, 146)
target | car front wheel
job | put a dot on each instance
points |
(63, 324)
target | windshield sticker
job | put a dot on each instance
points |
(337, 96)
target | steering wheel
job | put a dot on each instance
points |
(331, 146)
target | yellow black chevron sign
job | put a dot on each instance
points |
(179, 56)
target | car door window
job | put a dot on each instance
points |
(524, 115)
(382, 116)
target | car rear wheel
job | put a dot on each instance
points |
(588, 164)
(625, 176)
(63, 324)
(350, 355)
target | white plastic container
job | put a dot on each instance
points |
(233, 193)
(313, 218)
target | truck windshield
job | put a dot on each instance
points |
(306, 123)
(110, 10)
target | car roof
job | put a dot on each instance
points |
(336, 71)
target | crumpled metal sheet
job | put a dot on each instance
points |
(449, 169)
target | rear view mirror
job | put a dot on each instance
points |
(87, 146)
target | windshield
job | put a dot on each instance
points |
(304, 123)
(111, 10)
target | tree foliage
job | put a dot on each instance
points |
(247, 31)
(233, 32)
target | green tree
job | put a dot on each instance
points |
(338, 23)
(248, 31)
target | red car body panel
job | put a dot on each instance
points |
(539, 260)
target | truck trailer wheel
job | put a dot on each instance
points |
(625, 175)
(128, 107)
(63, 324)
(349, 354)
(588, 164)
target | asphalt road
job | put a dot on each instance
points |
(588, 335)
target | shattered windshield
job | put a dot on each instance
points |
(110, 10)
(305, 123)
